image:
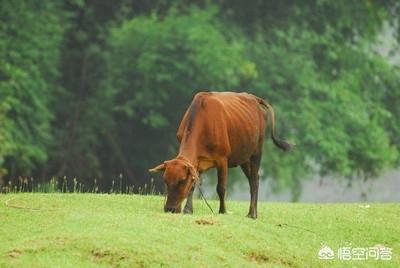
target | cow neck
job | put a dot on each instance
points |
(188, 150)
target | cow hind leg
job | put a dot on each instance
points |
(222, 170)
(189, 202)
(250, 169)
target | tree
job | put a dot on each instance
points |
(329, 87)
(155, 66)
(93, 89)
(30, 40)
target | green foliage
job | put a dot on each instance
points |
(154, 60)
(330, 92)
(30, 37)
(78, 106)
(95, 89)
(156, 65)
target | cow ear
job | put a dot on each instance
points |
(158, 168)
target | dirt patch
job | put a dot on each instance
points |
(98, 253)
(104, 255)
(262, 258)
(205, 222)
(118, 258)
(258, 257)
(15, 253)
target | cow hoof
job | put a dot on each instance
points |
(187, 211)
(252, 216)
(226, 212)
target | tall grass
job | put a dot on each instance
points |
(73, 185)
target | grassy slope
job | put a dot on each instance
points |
(86, 230)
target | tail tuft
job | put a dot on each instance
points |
(284, 145)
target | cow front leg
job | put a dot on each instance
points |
(189, 202)
(222, 170)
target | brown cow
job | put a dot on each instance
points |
(222, 130)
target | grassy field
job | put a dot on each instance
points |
(94, 230)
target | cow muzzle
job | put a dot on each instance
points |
(172, 209)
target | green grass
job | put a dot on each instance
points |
(94, 230)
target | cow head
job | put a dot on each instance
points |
(179, 177)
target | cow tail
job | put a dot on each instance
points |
(284, 145)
